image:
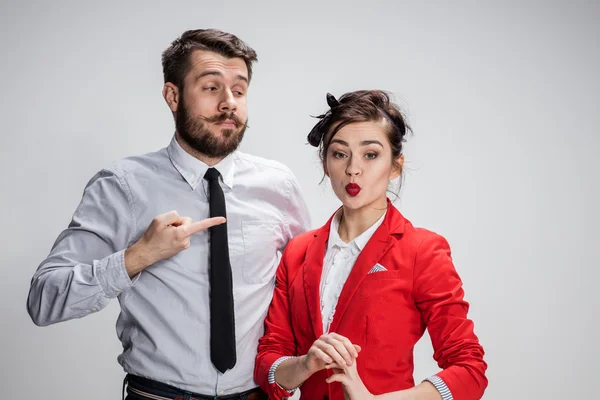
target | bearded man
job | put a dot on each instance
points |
(187, 238)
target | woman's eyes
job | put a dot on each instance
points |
(368, 156)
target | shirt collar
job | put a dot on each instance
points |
(360, 241)
(193, 170)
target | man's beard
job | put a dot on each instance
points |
(195, 133)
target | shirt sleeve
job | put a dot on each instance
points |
(441, 387)
(86, 266)
(440, 298)
(271, 376)
(297, 215)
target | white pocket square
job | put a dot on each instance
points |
(377, 268)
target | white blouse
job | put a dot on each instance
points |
(337, 265)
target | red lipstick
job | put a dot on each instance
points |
(352, 189)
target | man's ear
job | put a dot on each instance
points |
(171, 95)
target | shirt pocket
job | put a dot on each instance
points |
(262, 241)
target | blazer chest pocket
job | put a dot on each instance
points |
(262, 241)
(383, 283)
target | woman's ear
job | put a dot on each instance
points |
(170, 93)
(397, 168)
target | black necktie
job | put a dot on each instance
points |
(222, 325)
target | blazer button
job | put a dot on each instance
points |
(325, 398)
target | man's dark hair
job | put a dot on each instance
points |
(176, 59)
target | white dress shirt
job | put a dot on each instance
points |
(165, 315)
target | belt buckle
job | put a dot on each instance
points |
(256, 395)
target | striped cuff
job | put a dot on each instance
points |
(441, 387)
(111, 274)
(271, 377)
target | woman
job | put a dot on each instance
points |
(366, 282)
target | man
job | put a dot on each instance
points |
(193, 290)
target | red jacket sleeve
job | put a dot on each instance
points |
(439, 296)
(278, 340)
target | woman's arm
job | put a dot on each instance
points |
(278, 341)
(329, 351)
(291, 373)
(277, 370)
(423, 391)
(354, 388)
(439, 296)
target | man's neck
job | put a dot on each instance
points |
(210, 161)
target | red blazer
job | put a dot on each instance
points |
(385, 312)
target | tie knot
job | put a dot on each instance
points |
(211, 174)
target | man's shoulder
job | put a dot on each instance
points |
(264, 165)
(138, 163)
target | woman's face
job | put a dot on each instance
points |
(359, 164)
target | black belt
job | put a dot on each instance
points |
(153, 390)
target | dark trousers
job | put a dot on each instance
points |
(158, 390)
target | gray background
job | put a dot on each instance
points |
(503, 98)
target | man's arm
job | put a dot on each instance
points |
(86, 266)
(297, 215)
(94, 260)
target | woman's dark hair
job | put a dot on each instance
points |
(176, 59)
(360, 106)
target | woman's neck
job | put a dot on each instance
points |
(354, 222)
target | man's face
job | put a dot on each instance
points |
(212, 114)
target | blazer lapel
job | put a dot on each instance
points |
(376, 247)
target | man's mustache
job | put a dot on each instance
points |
(224, 116)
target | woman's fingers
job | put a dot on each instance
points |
(321, 355)
(348, 346)
(332, 352)
(338, 377)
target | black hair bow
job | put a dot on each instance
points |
(316, 134)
